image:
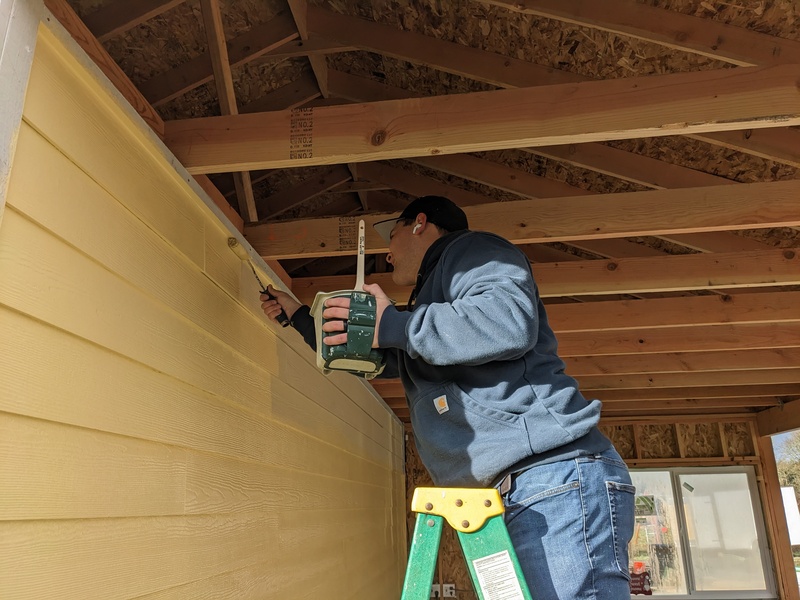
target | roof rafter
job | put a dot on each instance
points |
(223, 80)
(450, 57)
(734, 45)
(122, 15)
(248, 46)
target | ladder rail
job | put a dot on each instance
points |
(477, 517)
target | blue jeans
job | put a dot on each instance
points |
(570, 523)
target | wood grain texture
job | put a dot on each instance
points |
(682, 103)
(156, 430)
(599, 216)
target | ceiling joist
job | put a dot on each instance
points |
(620, 276)
(660, 212)
(514, 118)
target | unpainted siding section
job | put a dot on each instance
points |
(158, 438)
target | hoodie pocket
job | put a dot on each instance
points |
(465, 442)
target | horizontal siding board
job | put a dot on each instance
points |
(70, 108)
(280, 577)
(220, 485)
(125, 558)
(158, 434)
(129, 248)
(54, 471)
(98, 305)
(54, 375)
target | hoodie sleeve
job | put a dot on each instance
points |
(490, 310)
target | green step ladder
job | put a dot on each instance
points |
(477, 516)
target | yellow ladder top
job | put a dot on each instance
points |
(465, 509)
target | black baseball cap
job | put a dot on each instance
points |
(440, 211)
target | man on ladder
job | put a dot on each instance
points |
(490, 403)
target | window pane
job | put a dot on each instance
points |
(720, 524)
(655, 546)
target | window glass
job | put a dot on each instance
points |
(721, 530)
(655, 551)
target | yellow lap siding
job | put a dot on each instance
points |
(160, 438)
(50, 374)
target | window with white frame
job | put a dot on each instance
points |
(699, 533)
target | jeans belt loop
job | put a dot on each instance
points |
(505, 485)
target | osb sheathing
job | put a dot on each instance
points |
(698, 440)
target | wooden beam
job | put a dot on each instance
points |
(715, 241)
(682, 362)
(628, 275)
(513, 118)
(780, 419)
(286, 97)
(751, 377)
(246, 47)
(223, 80)
(776, 307)
(282, 201)
(509, 72)
(445, 56)
(631, 167)
(121, 15)
(418, 185)
(734, 391)
(681, 405)
(360, 89)
(297, 48)
(677, 273)
(690, 339)
(319, 64)
(781, 144)
(635, 168)
(592, 156)
(78, 30)
(706, 37)
(597, 157)
(660, 212)
(496, 175)
(775, 516)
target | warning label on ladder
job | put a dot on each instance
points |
(497, 577)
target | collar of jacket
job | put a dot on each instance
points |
(430, 260)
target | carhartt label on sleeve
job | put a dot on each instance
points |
(497, 577)
(441, 404)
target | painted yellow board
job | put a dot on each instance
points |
(51, 470)
(70, 108)
(107, 392)
(126, 558)
(96, 304)
(131, 249)
(158, 432)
